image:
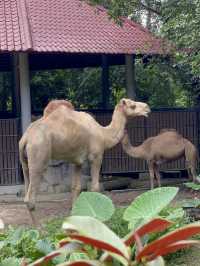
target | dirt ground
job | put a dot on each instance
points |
(16, 213)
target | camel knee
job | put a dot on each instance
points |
(95, 186)
(75, 193)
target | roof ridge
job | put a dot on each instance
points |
(24, 24)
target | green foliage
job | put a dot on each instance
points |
(117, 224)
(52, 229)
(22, 242)
(193, 203)
(11, 261)
(34, 244)
(81, 86)
(148, 205)
(95, 205)
(160, 85)
(192, 185)
(83, 231)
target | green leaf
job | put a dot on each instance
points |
(11, 262)
(193, 203)
(95, 205)
(192, 185)
(44, 246)
(148, 205)
(78, 256)
(91, 231)
(65, 250)
(16, 236)
(176, 214)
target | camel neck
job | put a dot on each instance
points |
(114, 132)
(136, 152)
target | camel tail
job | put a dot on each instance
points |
(24, 161)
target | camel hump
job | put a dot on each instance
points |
(163, 130)
(54, 104)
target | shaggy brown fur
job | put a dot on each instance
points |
(167, 146)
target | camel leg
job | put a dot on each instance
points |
(35, 178)
(76, 182)
(191, 169)
(151, 173)
(26, 176)
(191, 160)
(95, 169)
(157, 174)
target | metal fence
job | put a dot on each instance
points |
(10, 173)
(186, 121)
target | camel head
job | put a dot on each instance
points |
(133, 109)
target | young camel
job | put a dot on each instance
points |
(75, 137)
(167, 146)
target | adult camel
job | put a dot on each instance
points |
(75, 137)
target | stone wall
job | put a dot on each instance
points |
(57, 178)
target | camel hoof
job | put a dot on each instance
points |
(30, 206)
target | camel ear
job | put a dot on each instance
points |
(123, 102)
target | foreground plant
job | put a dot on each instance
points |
(82, 232)
(88, 241)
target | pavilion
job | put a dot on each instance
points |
(39, 34)
(42, 35)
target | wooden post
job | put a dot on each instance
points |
(25, 97)
(130, 76)
(105, 82)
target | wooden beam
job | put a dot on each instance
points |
(130, 77)
(105, 82)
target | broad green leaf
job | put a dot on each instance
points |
(148, 205)
(91, 231)
(95, 205)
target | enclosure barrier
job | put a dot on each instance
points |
(186, 121)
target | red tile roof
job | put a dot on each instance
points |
(69, 26)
